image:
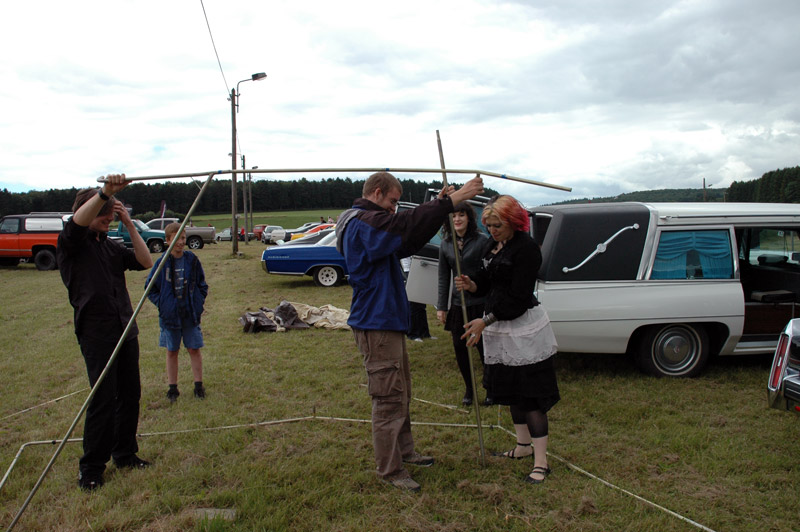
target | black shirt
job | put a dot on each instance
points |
(93, 271)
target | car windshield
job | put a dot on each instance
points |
(140, 225)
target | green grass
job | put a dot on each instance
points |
(706, 448)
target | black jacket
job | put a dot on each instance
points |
(509, 277)
(94, 273)
(471, 255)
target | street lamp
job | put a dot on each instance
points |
(234, 109)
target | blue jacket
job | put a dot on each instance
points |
(195, 291)
(372, 241)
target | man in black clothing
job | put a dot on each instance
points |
(93, 270)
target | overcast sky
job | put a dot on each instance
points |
(604, 96)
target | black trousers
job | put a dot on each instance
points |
(455, 324)
(113, 414)
(418, 328)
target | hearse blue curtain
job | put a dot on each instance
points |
(713, 248)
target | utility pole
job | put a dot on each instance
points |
(234, 228)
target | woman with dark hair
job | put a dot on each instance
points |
(518, 340)
(471, 244)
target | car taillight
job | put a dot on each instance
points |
(779, 361)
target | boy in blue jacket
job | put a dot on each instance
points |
(179, 293)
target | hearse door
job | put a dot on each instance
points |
(768, 272)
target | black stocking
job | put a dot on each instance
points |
(535, 419)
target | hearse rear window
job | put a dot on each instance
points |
(693, 255)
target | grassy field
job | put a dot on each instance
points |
(707, 449)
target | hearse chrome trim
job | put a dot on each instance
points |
(601, 248)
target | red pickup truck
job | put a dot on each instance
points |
(26, 237)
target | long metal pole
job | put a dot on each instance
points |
(111, 359)
(250, 200)
(234, 228)
(244, 202)
(234, 171)
(472, 349)
(250, 194)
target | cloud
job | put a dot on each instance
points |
(606, 97)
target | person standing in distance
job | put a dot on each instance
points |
(93, 270)
(180, 292)
(373, 238)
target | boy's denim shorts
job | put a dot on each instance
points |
(171, 338)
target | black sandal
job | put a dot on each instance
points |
(510, 454)
(544, 471)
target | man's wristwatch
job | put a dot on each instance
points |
(103, 196)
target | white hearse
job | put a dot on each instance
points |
(670, 283)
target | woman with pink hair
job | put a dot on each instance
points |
(518, 341)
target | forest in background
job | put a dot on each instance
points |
(777, 186)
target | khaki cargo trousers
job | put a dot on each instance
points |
(389, 385)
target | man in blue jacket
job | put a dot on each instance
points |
(180, 292)
(373, 238)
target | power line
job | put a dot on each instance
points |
(227, 91)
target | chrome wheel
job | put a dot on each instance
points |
(674, 350)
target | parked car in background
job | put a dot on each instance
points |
(311, 231)
(250, 235)
(272, 233)
(258, 230)
(26, 237)
(154, 238)
(196, 236)
(311, 238)
(223, 235)
(783, 386)
(321, 261)
(287, 235)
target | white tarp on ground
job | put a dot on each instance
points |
(324, 317)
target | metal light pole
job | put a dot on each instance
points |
(234, 109)
(250, 193)
(244, 203)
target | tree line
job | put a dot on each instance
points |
(777, 186)
(268, 195)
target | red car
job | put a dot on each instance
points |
(258, 229)
(311, 231)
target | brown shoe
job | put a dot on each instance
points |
(405, 483)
